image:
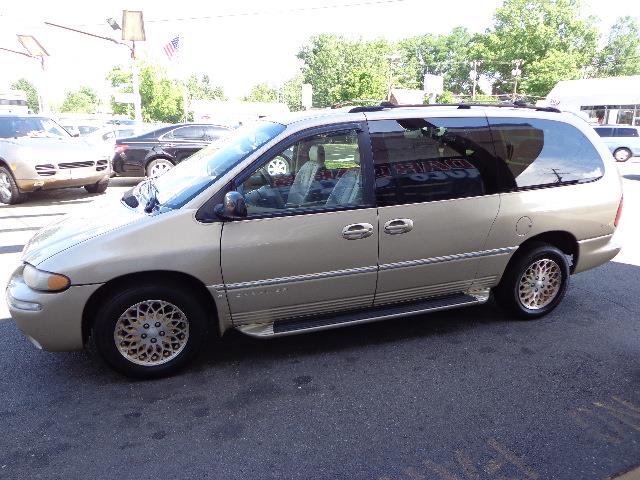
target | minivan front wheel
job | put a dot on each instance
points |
(534, 283)
(149, 331)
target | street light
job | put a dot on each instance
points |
(132, 29)
(36, 50)
(516, 72)
(393, 59)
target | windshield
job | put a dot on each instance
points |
(193, 175)
(13, 127)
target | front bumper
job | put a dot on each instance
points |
(31, 177)
(52, 321)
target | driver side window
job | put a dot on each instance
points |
(318, 172)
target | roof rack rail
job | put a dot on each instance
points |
(517, 104)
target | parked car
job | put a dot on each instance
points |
(386, 212)
(622, 140)
(156, 151)
(38, 154)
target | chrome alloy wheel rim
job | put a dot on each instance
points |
(151, 332)
(159, 168)
(5, 185)
(539, 284)
(277, 166)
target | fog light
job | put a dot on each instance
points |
(39, 183)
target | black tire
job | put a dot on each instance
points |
(507, 293)
(622, 154)
(13, 195)
(110, 311)
(98, 187)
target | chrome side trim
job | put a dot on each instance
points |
(448, 258)
(301, 278)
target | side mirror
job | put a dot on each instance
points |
(233, 207)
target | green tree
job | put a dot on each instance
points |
(292, 93)
(161, 97)
(542, 33)
(621, 54)
(200, 88)
(262, 93)
(447, 55)
(83, 100)
(32, 94)
(340, 70)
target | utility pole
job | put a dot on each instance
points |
(474, 76)
(516, 72)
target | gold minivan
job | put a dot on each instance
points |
(384, 212)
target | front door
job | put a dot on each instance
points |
(309, 245)
(436, 189)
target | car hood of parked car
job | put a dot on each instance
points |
(49, 149)
(76, 228)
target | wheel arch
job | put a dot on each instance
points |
(564, 241)
(174, 278)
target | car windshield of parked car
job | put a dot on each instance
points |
(192, 176)
(37, 127)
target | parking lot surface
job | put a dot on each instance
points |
(465, 394)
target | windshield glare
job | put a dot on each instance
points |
(193, 175)
(13, 127)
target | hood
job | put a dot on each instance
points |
(77, 228)
(55, 149)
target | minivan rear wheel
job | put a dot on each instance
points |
(149, 331)
(535, 282)
(622, 154)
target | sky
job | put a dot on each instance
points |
(238, 44)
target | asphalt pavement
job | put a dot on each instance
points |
(459, 395)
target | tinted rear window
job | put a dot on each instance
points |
(626, 132)
(604, 132)
(544, 152)
(429, 159)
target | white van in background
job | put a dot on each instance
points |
(14, 101)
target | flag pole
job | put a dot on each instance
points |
(185, 92)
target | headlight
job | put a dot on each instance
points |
(44, 281)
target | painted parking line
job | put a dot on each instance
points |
(33, 215)
(21, 229)
(11, 249)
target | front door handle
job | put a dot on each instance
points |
(356, 231)
(398, 226)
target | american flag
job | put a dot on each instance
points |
(171, 48)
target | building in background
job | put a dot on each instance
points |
(232, 114)
(605, 101)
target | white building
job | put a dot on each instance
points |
(612, 100)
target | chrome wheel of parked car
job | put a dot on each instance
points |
(9, 191)
(151, 332)
(622, 154)
(278, 166)
(539, 284)
(158, 167)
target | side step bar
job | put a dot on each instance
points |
(281, 328)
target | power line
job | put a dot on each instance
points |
(264, 12)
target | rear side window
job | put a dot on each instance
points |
(188, 133)
(605, 132)
(427, 159)
(541, 153)
(626, 132)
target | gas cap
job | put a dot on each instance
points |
(523, 226)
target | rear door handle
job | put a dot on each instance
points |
(398, 226)
(356, 231)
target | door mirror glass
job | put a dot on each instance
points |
(233, 206)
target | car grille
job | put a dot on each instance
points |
(75, 165)
(46, 170)
(102, 165)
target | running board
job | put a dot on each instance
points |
(281, 328)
